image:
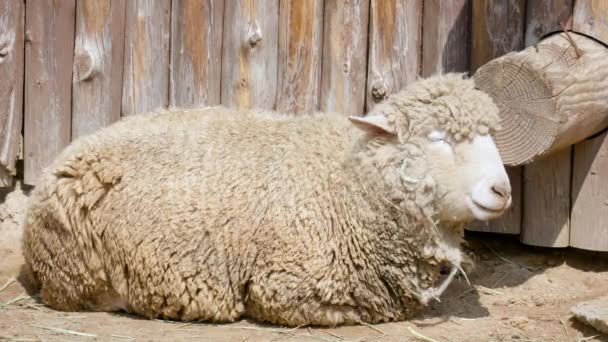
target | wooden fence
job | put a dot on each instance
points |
(68, 67)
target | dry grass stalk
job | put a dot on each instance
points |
(420, 336)
(8, 283)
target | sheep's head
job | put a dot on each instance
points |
(441, 128)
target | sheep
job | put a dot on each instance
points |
(216, 214)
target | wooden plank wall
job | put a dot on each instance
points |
(48, 82)
(12, 21)
(589, 220)
(119, 57)
(546, 213)
(497, 27)
(98, 68)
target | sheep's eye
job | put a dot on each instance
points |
(436, 136)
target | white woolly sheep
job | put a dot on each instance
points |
(216, 214)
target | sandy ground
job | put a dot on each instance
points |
(518, 293)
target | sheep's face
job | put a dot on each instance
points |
(470, 181)
(470, 177)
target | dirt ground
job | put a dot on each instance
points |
(518, 293)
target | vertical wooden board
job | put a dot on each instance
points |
(590, 195)
(12, 23)
(591, 18)
(249, 54)
(590, 166)
(146, 61)
(49, 50)
(445, 36)
(544, 17)
(344, 56)
(196, 51)
(394, 47)
(546, 214)
(299, 64)
(497, 27)
(547, 182)
(98, 63)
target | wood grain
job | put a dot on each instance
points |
(98, 64)
(497, 27)
(546, 219)
(446, 36)
(394, 47)
(249, 54)
(545, 17)
(550, 96)
(589, 217)
(299, 64)
(344, 56)
(196, 48)
(48, 82)
(12, 23)
(146, 62)
(590, 195)
(591, 18)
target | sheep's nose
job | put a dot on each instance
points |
(502, 190)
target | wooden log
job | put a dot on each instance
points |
(300, 37)
(394, 47)
(196, 48)
(98, 63)
(146, 62)
(446, 36)
(549, 97)
(249, 54)
(545, 17)
(546, 218)
(49, 50)
(497, 27)
(12, 23)
(344, 56)
(589, 215)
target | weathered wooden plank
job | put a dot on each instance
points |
(446, 36)
(591, 18)
(12, 23)
(497, 27)
(300, 38)
(98, 64)
(196, 48)
(49, 51)
(545, 17)
(249, 54)
(545, 220)
(590, 195)
(590, 165)
(344, 56)
(546, 191)
(146, 61)
(394, 55)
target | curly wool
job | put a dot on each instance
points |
(216, 214)
(449, 102)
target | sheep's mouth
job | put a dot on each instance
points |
(482, 212)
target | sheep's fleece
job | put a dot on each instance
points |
(216, 214)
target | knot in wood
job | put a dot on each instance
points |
(254, 34)
(85, 66)
(379, 90)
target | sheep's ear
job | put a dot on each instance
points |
(374, 123)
